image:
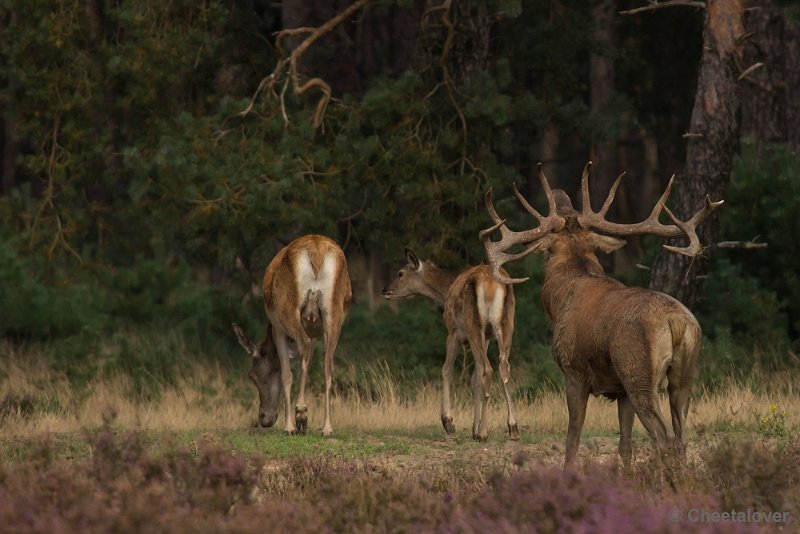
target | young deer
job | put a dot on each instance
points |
(624, 343)
(306, 295)
(476, 308)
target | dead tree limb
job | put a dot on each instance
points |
(669, 3)
(287, 67)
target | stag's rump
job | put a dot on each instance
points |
(630, 339)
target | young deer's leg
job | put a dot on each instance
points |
(333, 328)
(481, 383)
(305, 347)
(626, 415)
(504, 344)
(577, 397)
(453, 346)
(282, 344)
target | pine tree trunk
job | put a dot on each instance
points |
(713, 140)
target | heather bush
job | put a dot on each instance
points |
(760, 475)
(126, 486)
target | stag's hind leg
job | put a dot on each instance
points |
(679, 397)
(577, 397)
(626, 416)
(645, 403)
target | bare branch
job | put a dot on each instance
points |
(749, 70)
(742, 244)
(658, 5)
(281, 68)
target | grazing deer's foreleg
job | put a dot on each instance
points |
(284, 352)
(577, 397)
(504, 344)
(453, 346)
(305, 347)
(626, 416)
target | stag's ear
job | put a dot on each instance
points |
(607, 243)
(544, 244)
(412, 259)
(244, 341)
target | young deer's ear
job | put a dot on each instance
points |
(412, 259)
(607, 244)
(244, 341)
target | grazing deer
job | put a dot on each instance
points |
(476, 308)
(306, 295)
(624, 343)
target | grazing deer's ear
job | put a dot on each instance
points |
(244, 341)
(412, 259)
(607, 244)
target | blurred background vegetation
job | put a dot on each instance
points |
(140, 204)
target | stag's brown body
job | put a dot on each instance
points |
(624, 343)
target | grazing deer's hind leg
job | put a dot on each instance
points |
(453, 346)
(626, 416)
(330, 339)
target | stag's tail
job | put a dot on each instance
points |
(686, 338)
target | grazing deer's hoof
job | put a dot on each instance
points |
(447, 423)
(478, 437)
(513, 432)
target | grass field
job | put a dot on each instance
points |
(741, 443)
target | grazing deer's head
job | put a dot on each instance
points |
(265, 373)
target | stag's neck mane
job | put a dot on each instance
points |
(565, 273)
(437, 282)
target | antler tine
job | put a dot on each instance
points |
(495, 250)
(522, 200)
(662, 201)
(586, 203)
(548, 192)
(611, 194)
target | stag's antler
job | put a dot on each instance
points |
(591, 219)
(495, 250)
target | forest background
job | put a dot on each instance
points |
(151, 168)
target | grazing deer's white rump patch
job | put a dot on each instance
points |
(310, 281)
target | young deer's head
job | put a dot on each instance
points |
(265, 373)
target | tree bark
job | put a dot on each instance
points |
(770, 99)
(713, 140)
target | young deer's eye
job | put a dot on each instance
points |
(399, 274)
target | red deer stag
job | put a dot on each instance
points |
(625, 343)
(476, 308)
(306, 295)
